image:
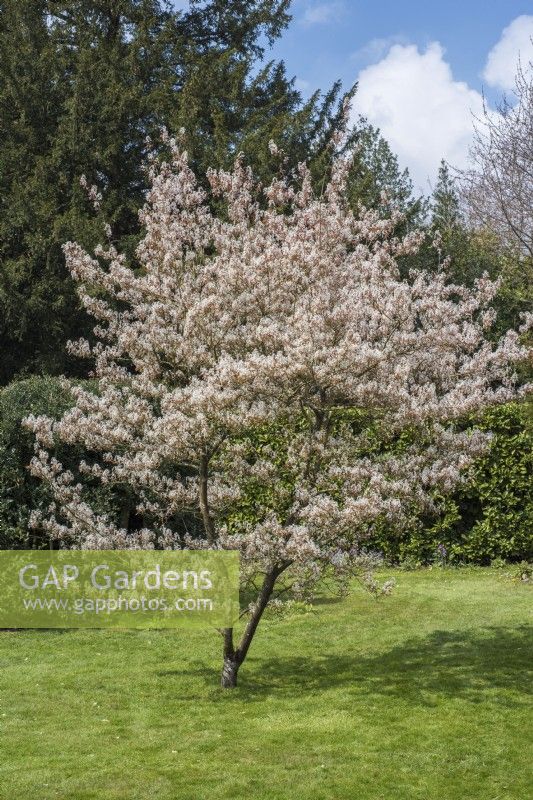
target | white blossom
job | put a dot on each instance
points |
(285, 306)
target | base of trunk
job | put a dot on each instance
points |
(228, 679)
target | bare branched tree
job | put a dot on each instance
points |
(498, 188)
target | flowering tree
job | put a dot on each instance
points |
(283, 306)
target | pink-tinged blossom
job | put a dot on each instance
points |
(284, 305)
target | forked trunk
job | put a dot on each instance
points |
(234, 656)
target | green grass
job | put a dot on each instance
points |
(425, 694)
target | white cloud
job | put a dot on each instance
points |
(422, 111)
(502, 60)
(322, 13)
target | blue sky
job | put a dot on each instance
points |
(422, 67)
(327, 40)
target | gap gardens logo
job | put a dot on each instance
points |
(118, 588)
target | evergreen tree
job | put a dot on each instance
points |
(376, 170)
(30, 106)
(445, 205)
(77, 81)
(470, 255)
(82, 84)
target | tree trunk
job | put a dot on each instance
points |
(228, 679)
(231, 664)
(233, 657)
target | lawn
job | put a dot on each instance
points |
(425, 694)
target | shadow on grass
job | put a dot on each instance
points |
(493, 663)
(328, 601)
